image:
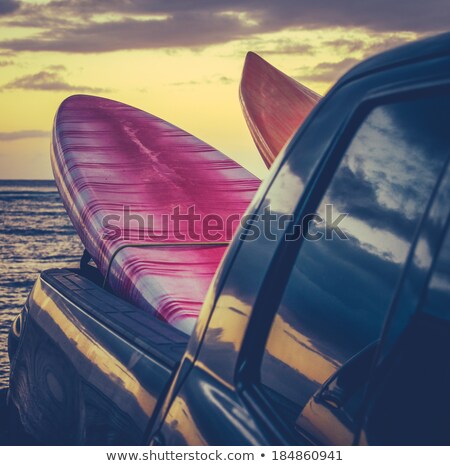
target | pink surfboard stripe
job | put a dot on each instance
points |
(274, 105)
(107, 157)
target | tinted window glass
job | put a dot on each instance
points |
(339, 290)
(409, 403)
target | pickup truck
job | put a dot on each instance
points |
(334, 329)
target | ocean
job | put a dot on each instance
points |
(35, 234)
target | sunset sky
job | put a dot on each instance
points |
(179, 59)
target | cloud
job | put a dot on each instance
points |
(349, 45)
(186, 30)
(187, 83)
(103, 26)
(8, 6)
(386, 44)
(212, 80)
(286, 47)
(56, 68)
(327, 71)
(26, 134)
(225, 80)
(48, 81)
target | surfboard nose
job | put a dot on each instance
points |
(255, 68)
(274, 105)
(252, 60)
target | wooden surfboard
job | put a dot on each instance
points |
(274, 105)
(122, 173)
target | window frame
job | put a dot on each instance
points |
(251, 354)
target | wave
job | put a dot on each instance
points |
(51, 233)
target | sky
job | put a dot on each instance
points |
(180, 60)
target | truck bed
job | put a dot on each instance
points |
(152, 335)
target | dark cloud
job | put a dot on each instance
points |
(187, 30)
(8, 6)
(71, 25)
(15, 135)
(380, 15)
(327, 72)
(48, 81)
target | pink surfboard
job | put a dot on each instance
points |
(274, 105)
(125, 177)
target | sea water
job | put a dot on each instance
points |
(35, 234)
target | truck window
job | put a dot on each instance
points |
(409, 400)
(340, 289)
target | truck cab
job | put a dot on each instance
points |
(328, 320)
